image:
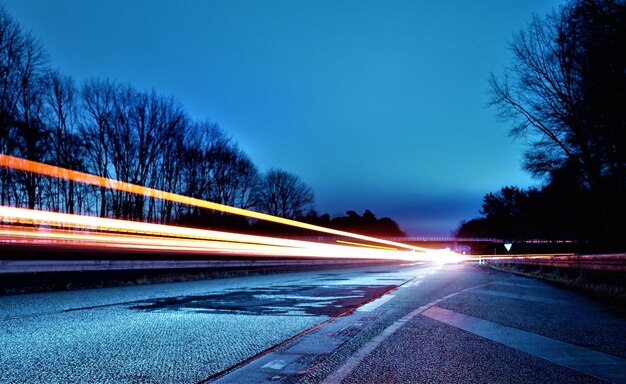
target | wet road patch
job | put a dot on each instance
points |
(288, 300)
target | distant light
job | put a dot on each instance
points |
(444, 256)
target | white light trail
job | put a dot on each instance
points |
(123, 234)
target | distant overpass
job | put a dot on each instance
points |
(475, 245)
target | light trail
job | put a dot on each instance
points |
(124, 234)
(81, 177)
(103, 233)
(365, 245)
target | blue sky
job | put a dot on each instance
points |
(378, 105)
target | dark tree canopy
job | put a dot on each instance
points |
(367, 223)
(516, 214)
(566, 93)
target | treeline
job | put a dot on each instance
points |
(565, 92)
(546, 213)
(116, 131)
(367, 223)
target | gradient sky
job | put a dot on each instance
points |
(378, 105)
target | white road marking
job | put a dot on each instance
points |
(587, 361)
(276, 364)
(369, 307)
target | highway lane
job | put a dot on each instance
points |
(177, 332)
(446, 324)
(458, 324)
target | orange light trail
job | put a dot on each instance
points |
(81, 177)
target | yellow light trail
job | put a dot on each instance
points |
(366, 245)
(145, 236)
(81, 177)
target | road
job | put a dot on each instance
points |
(422, 323)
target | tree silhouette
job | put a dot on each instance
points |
(61, 104)
(281, 193)
(566, 93)
(23, 69)
(365, 224)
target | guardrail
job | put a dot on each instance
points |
(36, 266)
(604, 262)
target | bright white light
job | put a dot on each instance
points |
(443, 256)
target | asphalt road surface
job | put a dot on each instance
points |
(379, 324)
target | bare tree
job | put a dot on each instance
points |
(197, 163)
(61, 104)
(23, 65)
(168, 176)
(11, 48)
(145, 124)
(161, 125)
(98, 118)
(283, 194)
(233, 176)
(247, 178)
(30, 129)
(215, 169)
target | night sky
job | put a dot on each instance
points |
(378, 105)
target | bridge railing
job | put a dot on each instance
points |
(443, 239)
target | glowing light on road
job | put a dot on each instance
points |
(81, 177)
(445, 256)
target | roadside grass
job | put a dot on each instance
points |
(608, 287)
